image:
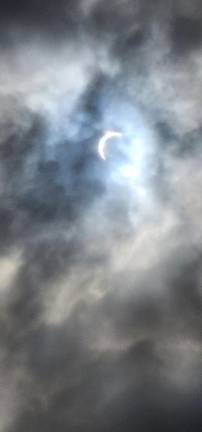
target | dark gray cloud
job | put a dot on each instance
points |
(100, 261)
(186, 34)
(46, 18)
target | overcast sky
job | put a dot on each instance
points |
(100, 260)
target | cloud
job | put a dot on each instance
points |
(100, 274)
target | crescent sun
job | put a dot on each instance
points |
(104, 140)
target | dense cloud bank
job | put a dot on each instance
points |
(100, 261)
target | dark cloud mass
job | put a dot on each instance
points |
(100, 261)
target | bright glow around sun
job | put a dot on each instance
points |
(128, 171)
(128, 156)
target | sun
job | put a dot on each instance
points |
(104, 141)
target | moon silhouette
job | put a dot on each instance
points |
(105, 140)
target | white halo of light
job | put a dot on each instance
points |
(128, 172)
(104, 140)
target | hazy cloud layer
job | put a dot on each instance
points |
(100, 261)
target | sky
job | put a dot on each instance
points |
(100, 260)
